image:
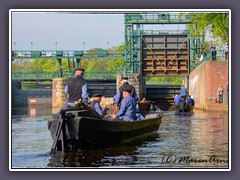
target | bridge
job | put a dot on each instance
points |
(48, 76)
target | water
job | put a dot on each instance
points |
(197, 141)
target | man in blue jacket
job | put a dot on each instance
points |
(178, 103)
(183, 92)
(191, 101)
(119, 96)
(127, 110)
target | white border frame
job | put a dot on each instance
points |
(112, 11)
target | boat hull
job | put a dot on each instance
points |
(187, 111)
(99, 132)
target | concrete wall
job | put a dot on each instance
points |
(203, 84)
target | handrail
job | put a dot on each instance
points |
(33, 75)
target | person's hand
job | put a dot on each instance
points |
(105, 105)
(114, 116)
(117, 108)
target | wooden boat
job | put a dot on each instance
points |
(93, 130)
(179, 110)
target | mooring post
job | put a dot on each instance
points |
(59, 67)
(63, 132)
(78, 62)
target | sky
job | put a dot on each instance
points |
(67, 31)
(48, 31)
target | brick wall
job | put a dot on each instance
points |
(203, 84)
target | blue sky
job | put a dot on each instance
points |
(70, 31)
(67, 31)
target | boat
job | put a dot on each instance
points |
(95, 131)
(188, 110)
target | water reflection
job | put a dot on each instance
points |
(200, 140)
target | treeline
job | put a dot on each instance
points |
(51, 64)
(217, 24)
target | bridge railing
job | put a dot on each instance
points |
(101, 75)
(220, 56)
(156, 16)
(100, 53)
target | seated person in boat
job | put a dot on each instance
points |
(191, 100)
(95, 104)
(127, 110)
(178, 103)
(119, 96)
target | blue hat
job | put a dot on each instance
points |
(97, 95)
(79, 69)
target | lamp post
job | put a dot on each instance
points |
(56, 45)
(15, 46)
(32, 46)
(83, 46)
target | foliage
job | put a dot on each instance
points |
(216, 23)
(165, 80)
(94, 64)
(20, 65)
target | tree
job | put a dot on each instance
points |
(216, 23)
(20, 65)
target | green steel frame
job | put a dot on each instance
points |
(133, 36)
(98, 75)
(75, 54)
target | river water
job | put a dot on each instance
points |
(197, 141)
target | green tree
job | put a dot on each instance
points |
(115, 64)
(20, 65)
(216, 23)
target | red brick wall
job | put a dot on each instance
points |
(204, 81)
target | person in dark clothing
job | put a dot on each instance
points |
(77, 87)
(203, 53)
(95, 104)
(226, 51)
(119, 96)
(213, 51)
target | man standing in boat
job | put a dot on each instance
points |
(95, 104)
(183, 92)
(76, 88)
(127, 110)
(125, 85)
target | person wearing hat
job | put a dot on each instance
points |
(76, 88)
(127, 110)
(119, 96)
(191, 100)
(183, 92)
(95, 104)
